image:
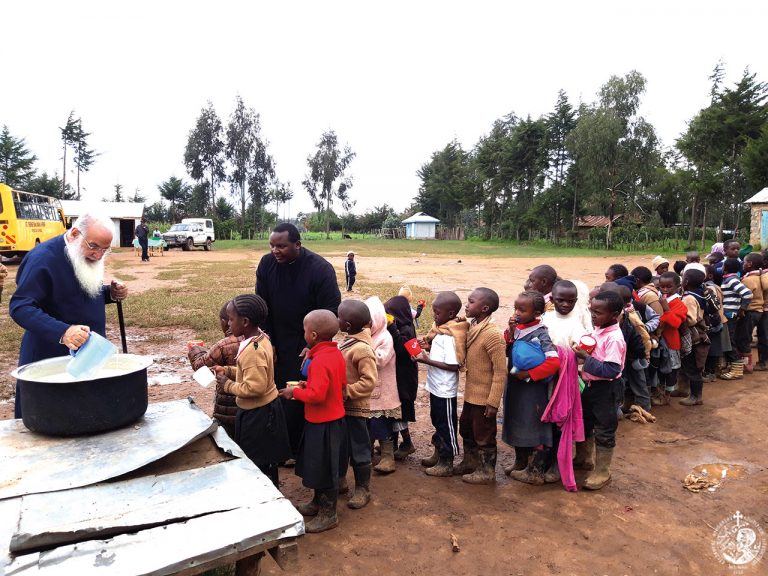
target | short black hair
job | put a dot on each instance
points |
(547, 272)
(223, 312)
(536, 298)
(356, 313)
(293, 232)
(671, 276)
(449, 299)
(694, 278)
(490, 297)
(679, 265)
(251, 306)
(612, 299)
(731, 265)
(643, 274)
(619, 270)
(756, 259)
(730, 241)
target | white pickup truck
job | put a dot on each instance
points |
(189, 233)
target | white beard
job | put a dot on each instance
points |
(90, 275)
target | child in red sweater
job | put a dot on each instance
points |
(675, 312)
(323, 446)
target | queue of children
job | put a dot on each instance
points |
(639, 339)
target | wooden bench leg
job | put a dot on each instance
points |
(250, 566)
(286, 554)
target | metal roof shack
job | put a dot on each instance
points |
(420, 226)
(758, 220)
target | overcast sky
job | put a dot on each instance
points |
(396, 80)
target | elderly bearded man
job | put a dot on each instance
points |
(60, 292)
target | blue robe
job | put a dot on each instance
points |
(49, 299)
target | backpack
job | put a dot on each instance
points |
(699, 332)
(712, 310)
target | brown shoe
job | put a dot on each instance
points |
(585, 455)
(602, 472)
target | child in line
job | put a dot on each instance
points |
(323, 446)
(762, 326)
(736, 300)
(746, 325)
(357, 349)
(444, 351)
(542, 279)
(719, 340)
(659, 265)
(697, 310)
(223, 353)
(260, 428)
(486, 376)
(385, 402)
(692, 257)
(615, 271)
(527, 392)
(405, 292)
(602, 374)
(566, 326)
(638, 353)
(672, 318)
(350, 270)
(406, 371)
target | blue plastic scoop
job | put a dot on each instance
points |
(90, 357)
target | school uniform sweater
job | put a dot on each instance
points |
(486, 364)
(326, 378)
(252, 381)
(607, 359)
(752, 281)
(735, 295)
(650, 297)
(361, 372)
(672, 319)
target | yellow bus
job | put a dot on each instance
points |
(26, 220)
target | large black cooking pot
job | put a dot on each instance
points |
(69, 408)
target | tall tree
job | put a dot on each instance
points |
(281, 194)
(204, 153)
(326, 166)
(82, 156)
(118, 197)
(560, 123)
(16, 162)
(177, 192)
(445, 184)
(138, 197)
(755, 161)
(68, 138)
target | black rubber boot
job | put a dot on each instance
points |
(485, 473)
(310, 508)
(522, 455)
(362, 494)
(470, 461)
(534, 472)
(326, 516)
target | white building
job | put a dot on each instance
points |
(125, 217)
(420, 226)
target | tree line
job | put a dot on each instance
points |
(532, 178)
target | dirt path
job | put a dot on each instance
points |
(644, 522)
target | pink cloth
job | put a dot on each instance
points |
(564, 409)
(384, 395)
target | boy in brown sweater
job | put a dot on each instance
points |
(355, 320)
(745, 325)
(486, 364)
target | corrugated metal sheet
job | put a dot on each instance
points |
(34, 463)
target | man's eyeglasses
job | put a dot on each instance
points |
(96, 248)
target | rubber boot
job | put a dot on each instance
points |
(735, 371)
(432, 460)
(485, 473)
(659, 396)
(522, 455)
(534, 472)
(682, 389)
(387, 463)
(695, 398)
(406, 447)
(761, 366)
(309, 508)
(326, 516)
(471, 459)
(601, 475)
(343, 485)
(552, 475)
(585, 455)
(362, 494)
(443, 468)
(747, 359)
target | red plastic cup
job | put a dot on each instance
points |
(413, 347)
(422, 302)
(587, 343)
(192, 343)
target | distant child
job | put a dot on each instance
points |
(350, 270)
(260, 428)
(527, 391)
(720, 341)
(679, 266)
(324, 444)
(746, 325)
(673, 316)
(616, 271)
(486, 376)
(407, 371)
(223, 353)
(698, 310)
(355, 322)
(444, 351)
(405, 291)
(541, 279)
(692, 257)
(646, 291)
(736, 301)
(602, 374)
(659, 265)
(730, 250)
(638, 357)
(385, 401)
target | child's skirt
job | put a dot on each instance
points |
(262, 434)
(524, 403)
(322, 452)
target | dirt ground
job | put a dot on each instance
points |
(643, 522)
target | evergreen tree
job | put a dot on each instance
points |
(177, 192)
(204, 153)
(16, 162)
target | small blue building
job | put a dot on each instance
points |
(420, 226)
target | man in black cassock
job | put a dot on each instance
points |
(293, 281)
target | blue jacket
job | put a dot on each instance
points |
(49, 299)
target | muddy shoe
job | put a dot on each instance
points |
(553, 474)
(309, 508)
(470, 461)
(432, 460)
(343, 485)
(326, 516)
(442, 469)
(759, 367)
(602, 472)
(387, 463)
(522, 456)
(362, 494)
(585, 455)
(485, 473)
(404, 450)
(692, 401)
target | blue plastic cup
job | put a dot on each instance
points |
(90, 357)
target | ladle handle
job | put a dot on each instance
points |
(121, 321)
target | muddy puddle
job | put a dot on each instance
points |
(710, 477)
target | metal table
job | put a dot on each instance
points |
(171, 494)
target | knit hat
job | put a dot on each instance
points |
(695, 266)
(628, 281)
(717, 248)
(350, 253)
(658, 261)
